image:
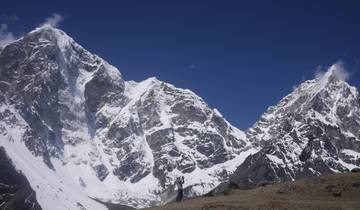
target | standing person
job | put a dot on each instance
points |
(179, 184)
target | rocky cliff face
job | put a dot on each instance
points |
(313, 131)
(15, 190)
(86, 132)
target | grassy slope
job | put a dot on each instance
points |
(320, 193)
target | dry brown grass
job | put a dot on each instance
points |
(334, 192)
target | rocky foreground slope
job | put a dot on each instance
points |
(339, 191)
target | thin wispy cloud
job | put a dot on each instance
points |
(53, 21)
(11, 19)
(319, 71)
(339, 69)
(341, 72)
(303, 79)
(193, 67)
(6, 36)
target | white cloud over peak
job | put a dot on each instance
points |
(53, 21)
(337, 68)
(340, 71)
(6, 36)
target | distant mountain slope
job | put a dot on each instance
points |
(77, 129)
(313, 131)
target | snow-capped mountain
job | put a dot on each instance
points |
(315, 130)
(77, 130)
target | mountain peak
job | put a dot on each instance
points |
(335, 73)
(333, 79)
(86, 122)
(50, 33)
(312, 131)
(44, 28)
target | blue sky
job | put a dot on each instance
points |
(239, 56)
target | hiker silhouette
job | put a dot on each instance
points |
(179, 184)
